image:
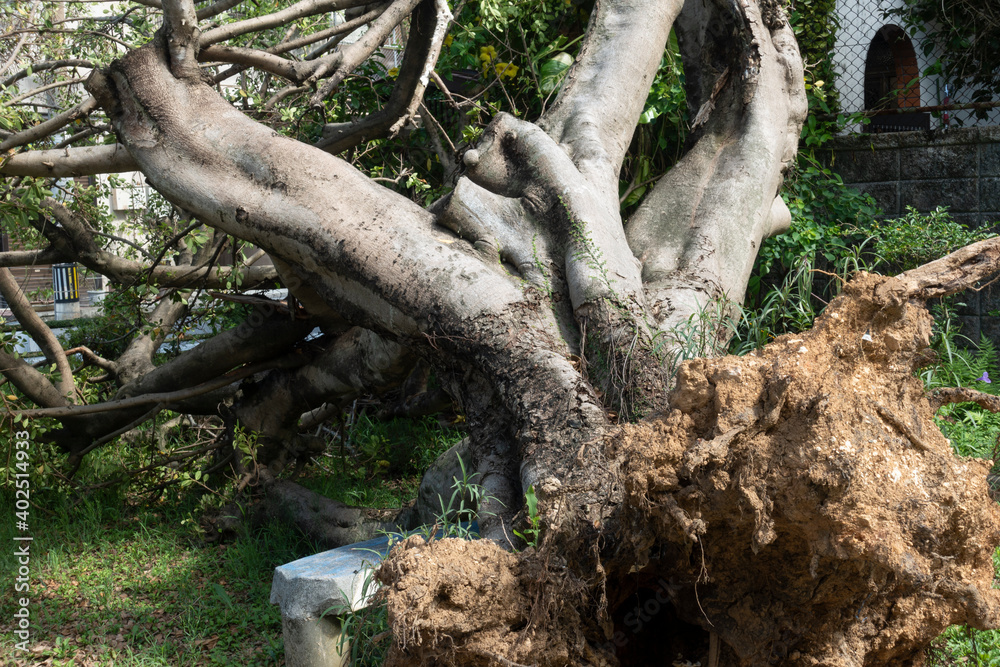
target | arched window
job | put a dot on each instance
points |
(892, 81)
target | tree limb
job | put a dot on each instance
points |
(39, 331)
(72, 238)
(180, 25)
(605, 90)
(338, 65)
(30, 381)
(166, 398)
(952, 273)
(48, 127)
(300, 9)
(427, 32)
(31, 257)
(697, 232)
(82, 161)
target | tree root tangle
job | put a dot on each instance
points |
(798, 506)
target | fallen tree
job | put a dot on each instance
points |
(549, 315)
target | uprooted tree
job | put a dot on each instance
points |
(797, 506)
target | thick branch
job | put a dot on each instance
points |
(698, 232)
(38, 330)
(166, 398)
(83, 161)
(31, 257)
(604, 92)
(180, 25)
(517, 159)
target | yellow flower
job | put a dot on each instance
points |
(394, 72)
(448, 40)
(506, 70)
(487, 53)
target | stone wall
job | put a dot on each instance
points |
(959, 169)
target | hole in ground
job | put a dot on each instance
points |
(649, 633)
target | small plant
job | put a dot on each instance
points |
(465, 497)
(364, 633)
(530, 534)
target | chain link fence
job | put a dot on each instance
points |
(887, 73)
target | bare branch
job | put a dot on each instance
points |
(216, 8)
(73, 238)
(263, 60)
(38, 330)
(299, 10)
(350, 58)
(32, 383)
(45, 66)
(91, 357)
(31, 257)
(50, 126)
(41, 89)
(166, 398)
(13, 55)
(952, 273)
(946, 395)
(268, 59)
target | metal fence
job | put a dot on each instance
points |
(883, 71)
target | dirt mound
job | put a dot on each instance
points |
(453, 602)
(802, 505)
(795, 507)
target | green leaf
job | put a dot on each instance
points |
(553, 72)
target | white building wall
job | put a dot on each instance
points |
(859, 21)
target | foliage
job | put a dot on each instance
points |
(663, 127)
(378, 463)
(917, 238)
(815, 25)
(829, 233)
(964, 38)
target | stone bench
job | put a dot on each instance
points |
(314, 591)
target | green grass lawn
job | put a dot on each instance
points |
(117, 586)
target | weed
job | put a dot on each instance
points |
(530, 534)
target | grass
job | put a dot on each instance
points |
(134, 586)
(124, 578)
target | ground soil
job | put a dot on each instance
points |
(797, 507)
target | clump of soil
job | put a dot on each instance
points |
(453, 602)
(802, 504)
(796, 507)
